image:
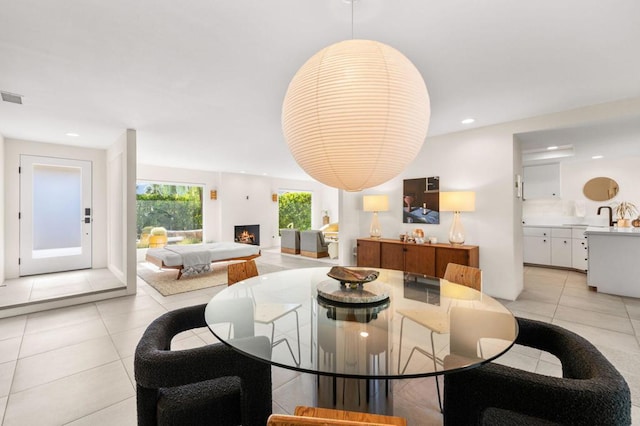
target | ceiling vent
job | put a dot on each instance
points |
(11, 97)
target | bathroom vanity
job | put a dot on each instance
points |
(614, 260)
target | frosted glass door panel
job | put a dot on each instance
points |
(55, 214)
(57, 208)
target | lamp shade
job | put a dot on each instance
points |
(375, 203)
(356, 114)
(460, 201)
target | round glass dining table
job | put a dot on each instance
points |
(425, 327)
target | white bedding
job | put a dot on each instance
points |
(199, 254)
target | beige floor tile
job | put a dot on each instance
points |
(549, 369)
(12, 327)
(126, 341)
(47, 340)
(546, 273)
(530, 315)
(122, 414)
(635, 412)
(541, 294)
(106, 284)
(190, 342)
(532, 306)
(420, 392)
(6, 377)
(45, 292)
(195, 298)
(298, 391)
(602, 338)
(62, 317)
(69, 398)
(594, 319)
(3, 406)
(605, 306)
(128, 365)
(14, 294)
(9, 349)
(117, 323)
(76, 402)
(518, 360)
(56, 364)
(633, 309)
(622, 360)
(590, 294)
(126, 304)
(281, 376)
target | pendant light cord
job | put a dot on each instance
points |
(352, 2)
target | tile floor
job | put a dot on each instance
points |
(50, 286)
(74, 366)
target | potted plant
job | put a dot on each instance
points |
(625, 211)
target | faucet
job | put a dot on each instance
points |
(610, 213)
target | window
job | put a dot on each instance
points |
(295, 210)
(171, 210)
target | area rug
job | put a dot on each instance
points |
(164, 280)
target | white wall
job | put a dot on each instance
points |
(484, 160)
(13, 148)
(209, 180)
(121, 208)
(243, 199)
(2, 215)
(573, 176)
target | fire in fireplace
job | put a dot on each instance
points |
(247, 234)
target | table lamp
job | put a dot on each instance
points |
(456, 202)
(375, 204)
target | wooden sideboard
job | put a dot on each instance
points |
(427, 259)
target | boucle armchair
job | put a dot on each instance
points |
(591, 391)
(212, 384)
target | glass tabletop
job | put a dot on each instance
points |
(426, 326)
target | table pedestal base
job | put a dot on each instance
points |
(364, 395)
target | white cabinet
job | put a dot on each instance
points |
(554, 246)
(561, 247)
(579, 249)
(613, 260)
(541, 181)
(537, 245)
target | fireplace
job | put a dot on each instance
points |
(247, 234)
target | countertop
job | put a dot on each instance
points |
(614, 231)
(567, 226)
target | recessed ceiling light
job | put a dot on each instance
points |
(73, 135)
(551, 148)
(597, 157)
(468, 121)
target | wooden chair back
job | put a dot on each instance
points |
(241, 271)
(464, 275)
(287, 420)
(328, 416)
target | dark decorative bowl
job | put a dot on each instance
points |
(352, 277)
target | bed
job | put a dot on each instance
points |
(197, 258)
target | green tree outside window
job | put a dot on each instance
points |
(295, 210)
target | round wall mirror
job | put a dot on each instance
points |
(600, 189)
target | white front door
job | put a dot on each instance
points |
(55, 214)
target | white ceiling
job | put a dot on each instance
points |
(202, 81)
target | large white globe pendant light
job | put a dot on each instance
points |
(356, 114)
